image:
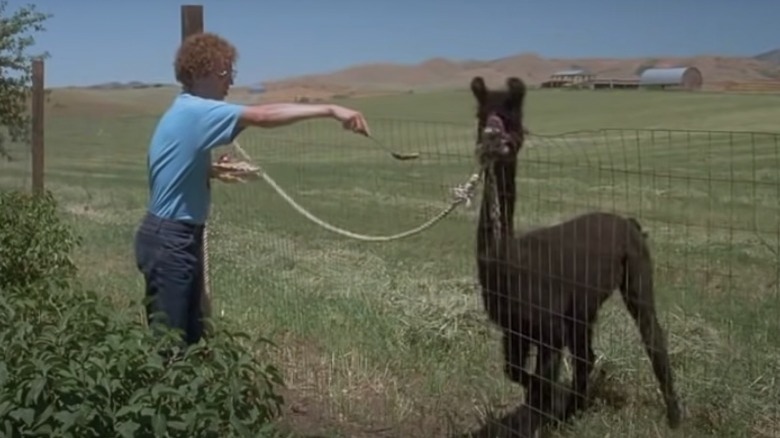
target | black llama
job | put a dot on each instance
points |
(545, 287)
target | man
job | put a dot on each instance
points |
(169, 240)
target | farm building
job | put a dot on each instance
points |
(687, 78)
(567, 78)
(615, 83)
(256, 89)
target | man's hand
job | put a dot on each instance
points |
(351, 120)
(221, 175)
(227, 170)
(214, 172)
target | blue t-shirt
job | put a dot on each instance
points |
(179, 155)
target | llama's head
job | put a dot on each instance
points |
(500, 131)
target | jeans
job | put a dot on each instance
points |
(169, 254)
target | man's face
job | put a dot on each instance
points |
(218, 84)
(225, 81)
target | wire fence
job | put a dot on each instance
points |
(393, 338)
(707, 199)
(15, 165)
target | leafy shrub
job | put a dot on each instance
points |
(74, 366)
(34, 244)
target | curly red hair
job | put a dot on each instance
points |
(201, 55)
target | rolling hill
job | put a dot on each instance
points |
(772, 57)
(534, 69)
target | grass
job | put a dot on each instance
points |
(389, 339)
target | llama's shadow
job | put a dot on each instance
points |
(521, 422)
(514, 424)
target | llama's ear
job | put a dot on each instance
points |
(516, 88)
(479, 89)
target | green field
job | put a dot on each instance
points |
(389, 339)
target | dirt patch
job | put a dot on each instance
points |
(307, 417)
(768, 426)
(318, 403)
(310, 409)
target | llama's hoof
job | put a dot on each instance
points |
(573, 404)
(516, 374)
(675, 412)
(572, 408)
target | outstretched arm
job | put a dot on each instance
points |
(279, 114)
(222, 121)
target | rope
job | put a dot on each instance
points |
(461, 194)
(205, 298)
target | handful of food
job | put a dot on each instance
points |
(229, 170)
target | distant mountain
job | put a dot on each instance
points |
(440, 72)
(772, 57)
(132, 85)
(533, 68)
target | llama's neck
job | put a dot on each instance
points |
(498, 206)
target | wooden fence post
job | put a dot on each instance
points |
(192, 23)
(191, 20)
(38, 100)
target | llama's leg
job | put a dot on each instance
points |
(515, 357)
(580, 345)
(541, 391)
(640, 301)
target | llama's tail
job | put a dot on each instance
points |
(639, 297)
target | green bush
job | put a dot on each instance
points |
(34, 244)
(74, 366)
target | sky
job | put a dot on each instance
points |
(96, 41)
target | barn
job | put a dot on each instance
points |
(256, 89)
(686, 78)
(567, 78)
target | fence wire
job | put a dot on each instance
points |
(393, 339)
(15, 170)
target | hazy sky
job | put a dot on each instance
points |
(94, 41)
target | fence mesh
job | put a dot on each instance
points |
(393, 338)
(15, 170)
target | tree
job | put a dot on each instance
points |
(16, 38)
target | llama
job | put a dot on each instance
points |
(545, 287)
